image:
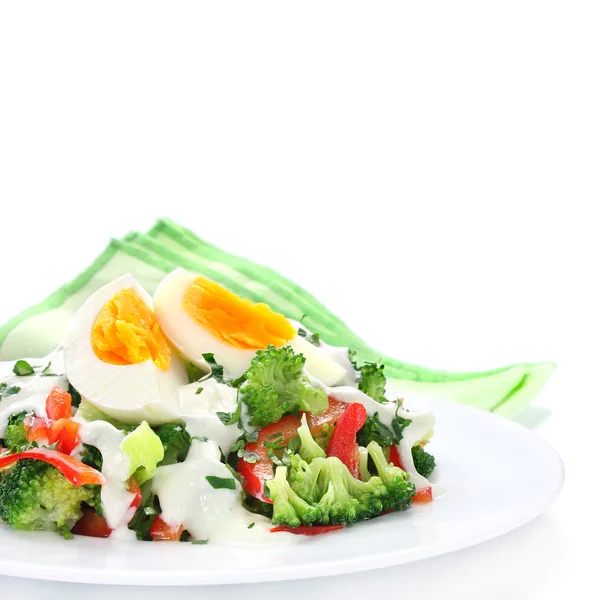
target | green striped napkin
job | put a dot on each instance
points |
(148, 257)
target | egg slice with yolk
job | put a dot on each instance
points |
(118, 358)
(200, 316)
(235, 321)
(126, 332)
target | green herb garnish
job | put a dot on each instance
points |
(313, 338)
(221, 483)
(216, 370)
(22, 368)
(6, 391)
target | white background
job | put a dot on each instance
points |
(429, 171)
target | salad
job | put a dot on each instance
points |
(198, 415)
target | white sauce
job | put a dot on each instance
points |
(116, 499)
(188, 499)
(422, 424)
(199, 411)
(34, 388)
(340, 356)
(122, 532)
(328, 364)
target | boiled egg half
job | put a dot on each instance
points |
(200, 316)
(118, 358)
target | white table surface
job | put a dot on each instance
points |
(428, 171)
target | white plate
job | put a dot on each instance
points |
(497, 475)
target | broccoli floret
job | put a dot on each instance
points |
(347, 499)
(275, 385)
(371, 378)
(309, 449)
(328, 484)
(176, 443)
(36, 496)
(424, 462)
(304, 479)
(397, 482)
(15, 437)
(288, 508)
(363, 464)
(372, 381)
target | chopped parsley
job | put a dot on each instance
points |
(6, 391)
(22, 368)
(216, 370)
(221, 483)
(313, 338)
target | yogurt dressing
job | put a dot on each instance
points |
(34, 389)
(116, 498)
(188, 499)
(340, 356)
(199, 411)
(422, 423)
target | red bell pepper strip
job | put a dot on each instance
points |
(395, 457)
(58, 404)
(423, 496)
(65, 434)
(58, 428)
(36, 428)
(255, 474)
(329, 417)
(135, 489)
(91, 524)
(161, 531)
(343, 439)
(75, 471)
(307, 530)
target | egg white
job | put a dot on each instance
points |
(192, 340)
(187, 335)
(130, 393)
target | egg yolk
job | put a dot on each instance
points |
(236, 321)
(126, 332)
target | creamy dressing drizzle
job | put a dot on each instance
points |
(422, 423)
(188, 499)
(340, 356)
(318, 356)
(34, 388)
(116, 499)
(199, 411)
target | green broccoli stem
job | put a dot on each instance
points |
(309, 449)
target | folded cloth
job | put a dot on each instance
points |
(148, 257)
